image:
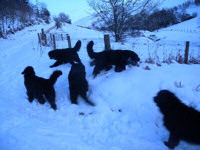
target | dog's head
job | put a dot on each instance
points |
(28, 71)
(53, 54)
(133, 58)
(164, 98)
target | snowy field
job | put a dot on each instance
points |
(124, 118)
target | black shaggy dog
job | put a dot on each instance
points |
(40, 88)
(105, 59)
(183, 122)
(67, 55)
(78, 84)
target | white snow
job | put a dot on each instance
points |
(124, 118)
(85, 21)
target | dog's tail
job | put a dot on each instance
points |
(54, 76)
(77, 46)
(90, 50)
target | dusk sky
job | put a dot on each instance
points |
(76, 9)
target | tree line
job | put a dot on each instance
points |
(160, 19)
(16, 14)
(122, 17)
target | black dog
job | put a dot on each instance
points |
(182, 121)
(68, 55)
(78, 84)
(40, 88)
(105, 59)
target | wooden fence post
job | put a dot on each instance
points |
(61, 37)
(186, 52)
(51, 37)
(107, 41)
(39, 38)
(69, 41)
(54, 42)
(45, 39)
(42, 36)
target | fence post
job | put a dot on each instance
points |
(61, 37)
(51, 37)
(107, 41)
(54, 42)
(42, 36)
(39, 38)
(69, 41)
(45, 39)
(186, 52)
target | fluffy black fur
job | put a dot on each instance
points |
(182, 121)
(67, 55)
(78, 84)
(40, 88)
(105, 59)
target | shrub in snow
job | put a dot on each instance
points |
(178, 84)
(57, 22)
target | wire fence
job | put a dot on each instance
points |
(160, 51)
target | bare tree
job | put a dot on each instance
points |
(61, 18)
(58, 22)
(44, 12)
(115, 13)
(64, 18)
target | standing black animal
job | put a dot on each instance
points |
(67, 55)
(182, 121)
(105, 59)
(40, 88)
(78, 84)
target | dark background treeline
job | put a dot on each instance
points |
(162, 18)
(17, 14)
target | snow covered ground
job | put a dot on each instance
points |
(124, 118)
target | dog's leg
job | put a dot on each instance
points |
(99, 65)
(87, 100)
(172, 142)
(73, 98)
(119, 68)
(57, 63)
(108, 67)
(50, 96)
(41, 99)
(52, 103)
(53, 106)
(96, 71)
(30, 97)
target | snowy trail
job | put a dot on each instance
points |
(124, 118)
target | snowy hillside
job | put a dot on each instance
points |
(162, 4)
(85, 21)
(124, 118)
